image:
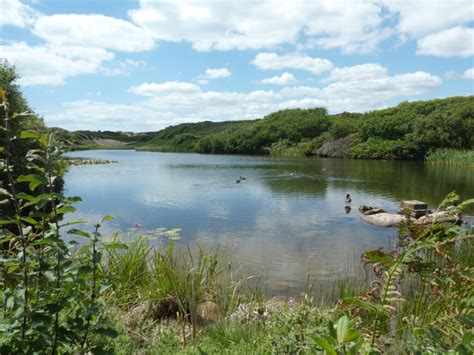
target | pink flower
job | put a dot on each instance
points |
(137, 225)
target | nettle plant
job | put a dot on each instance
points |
(422, 297)
(51, 292)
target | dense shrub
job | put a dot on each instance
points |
(406, 131)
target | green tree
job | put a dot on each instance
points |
(22, 118)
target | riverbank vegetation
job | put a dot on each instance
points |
(452, 157)
(111, 295)
(138, 294)
(68, 290)
(408, 131)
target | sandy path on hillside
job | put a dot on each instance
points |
(109, 142)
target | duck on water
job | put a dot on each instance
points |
(241, 178)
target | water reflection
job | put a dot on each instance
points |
(286, 218)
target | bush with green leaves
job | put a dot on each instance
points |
(51, 293)
(407, 131)
(422, 296)
(22, 118)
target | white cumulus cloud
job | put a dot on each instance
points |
(422, 17)
(97, 31)
(100, 115)
(14, 13)
(469, 74)
(360, 72)
(51, 65)
(293, 61)
(163, 104)
(283, 79)
(453, 42)
(167, 88)
(212, 74)
(351, 25)
(217, 73)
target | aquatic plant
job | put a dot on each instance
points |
(171, 281)
(451, 157)
(419, 298)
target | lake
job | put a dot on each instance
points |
(284, 221)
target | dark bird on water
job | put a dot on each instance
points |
(348, 199)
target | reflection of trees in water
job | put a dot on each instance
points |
(297, 185)
(397, 179)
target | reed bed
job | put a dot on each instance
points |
(452, 157)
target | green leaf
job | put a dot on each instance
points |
(106, 218)
(351, 335)
(33, 179)
(29, 220)
(5, 221)
(379, 256)
(79, 232)
(28, 134)
(324, 345)
(49, 275)
(24, 196)
(65, 209)
(116, 246)
(44, 139)
(4, 192)
(38, 199)
(463, 205)
(10, 302)
(71, 223)
(345, 333)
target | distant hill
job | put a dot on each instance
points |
(83, 140)
(409, 130)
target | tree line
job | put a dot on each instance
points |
(408, 131)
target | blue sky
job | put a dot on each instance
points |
(145, 65)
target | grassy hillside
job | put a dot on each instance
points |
(83, 140)
(410, 130)
(187, 137)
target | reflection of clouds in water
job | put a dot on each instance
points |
(287, 242)
(150, 200)
(283, 263)
(281, 225)
(219, 212)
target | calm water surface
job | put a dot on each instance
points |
(286, 220)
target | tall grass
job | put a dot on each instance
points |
(175, 279)
(452, 157)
